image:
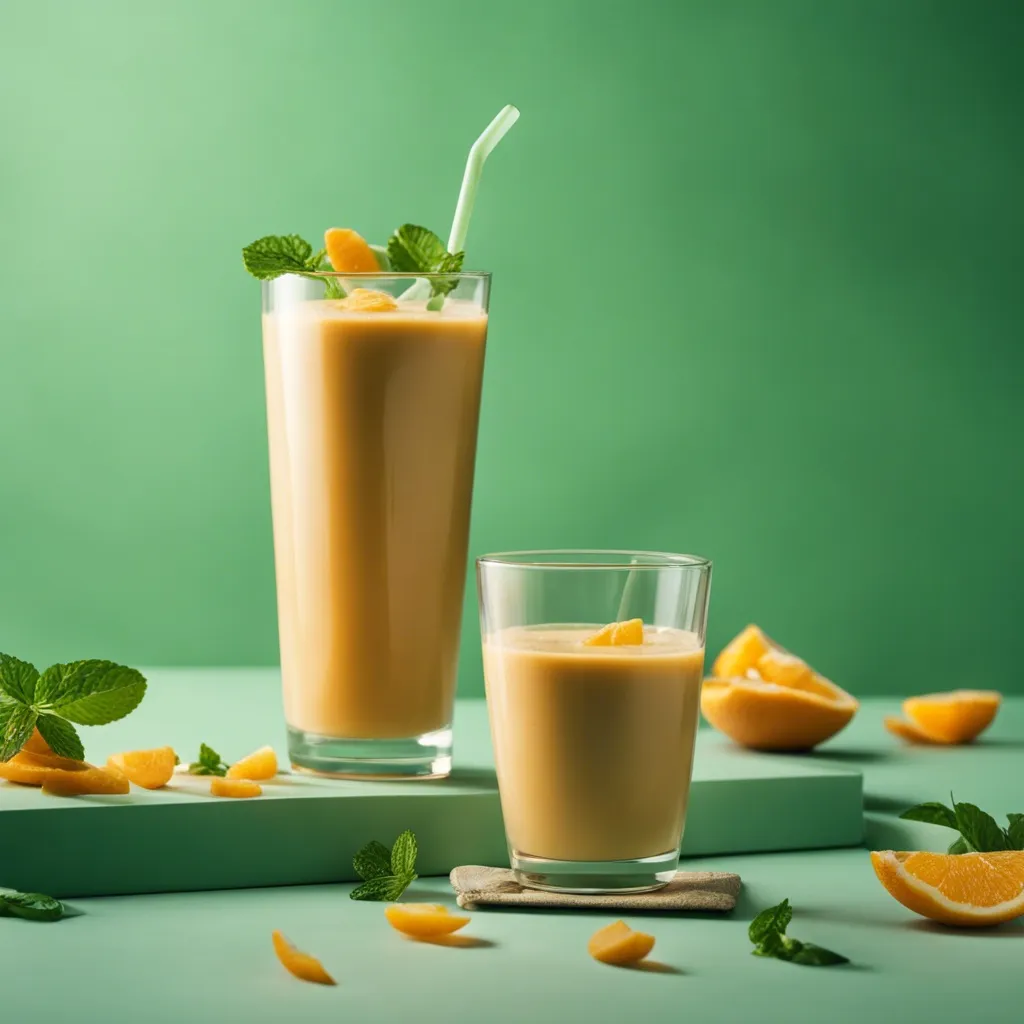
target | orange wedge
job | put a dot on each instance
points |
(973, 890)
(742, 653)
(349, 252)
(87, 782)
(302, 965)
(955, 717)
(423, 920)
(259, 765)
(150, 769)
(618, 634)
(240, 789)
(907, 731)
(618, 944)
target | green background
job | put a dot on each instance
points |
(757, 296)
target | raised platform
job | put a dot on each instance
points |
(305, 830)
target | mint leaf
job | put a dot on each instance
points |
(933, 813)
(979, 830)
(90, 692)
(1015, 833)
(415, 250)
(817, 956)
(209, 763)
(333, 290)
(403, 854)
(958, 845)
(18, 679)
(16, 724)
(385, 889)
(274, 255)
(32, 906)
(772, 921)
(372, 861)
(61, 736)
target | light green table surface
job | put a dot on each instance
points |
(207, 956)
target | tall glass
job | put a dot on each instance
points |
(593, 742)
(372, 415)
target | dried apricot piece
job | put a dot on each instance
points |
(423, 920)
(349, 252)
(618, 634)
(259, 765)
(240, 789)
(302, 965)
(368, 300)
(91, 781)
(618, 944)
(150, 769)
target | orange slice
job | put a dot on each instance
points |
(618, 944)
(150, 769)
(955, 717)
(423, 920)
(85, 782)
(742, 653)
(968, 889)
(349, 252)
(767, 716)
(618, 634)
(259, 765)
(906, 731)
(240, 789)
(302, 965)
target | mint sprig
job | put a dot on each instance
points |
(386, 873)
(979, 831)
(209, 763)
(275, 255)
(768, 934)
(32, 906)
(413, 249)
(89, 692)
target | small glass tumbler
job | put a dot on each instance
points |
(593, 740)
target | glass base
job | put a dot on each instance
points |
(418, 757)
(593, 877)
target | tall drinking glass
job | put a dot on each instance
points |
(593, 731)
(372, 409)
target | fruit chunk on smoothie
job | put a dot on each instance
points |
(618, 944)
(618, 634)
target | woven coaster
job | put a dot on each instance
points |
(477, 886)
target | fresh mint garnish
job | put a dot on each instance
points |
(979, 831)
(386, 873)
(86, 692)
(274, 255)
(417, 250)
(768, 934)
(32, 906)
(209, 763)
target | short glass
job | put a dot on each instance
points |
(593, 744)
(372, 415)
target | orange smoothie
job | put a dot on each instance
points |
(593, 744)
(372, 418)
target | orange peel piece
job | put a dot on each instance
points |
(618, 944)
(150, 769)
(259, 765)
(423, 920)
(618, 634)
(238, 789)
(349, 252)
(302, 965)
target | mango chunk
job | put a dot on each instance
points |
(259, 765)
(349, 252)
(91, 781)
(618, 944)
(150, 769)
(742, 653)
(302, 965)
(239, 789)
(618, 634)
(368, 300)
(423, 920)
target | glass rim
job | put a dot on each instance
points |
(536, 559)
(405, 275)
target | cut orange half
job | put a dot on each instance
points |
(966, 889)
(302, 965)
(955, 717)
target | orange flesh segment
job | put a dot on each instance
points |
(423, 920)
(785, 669)
(349, 252)
(35, 744)
(91, 781)
(618, 944)
(368, 300)
(971, 889)
(302, 965)
(259, 765)
(742, 653)
(150, 769)
(955, 717)
(239, 789)
(618, 634)
(906, 731)
(33, 760)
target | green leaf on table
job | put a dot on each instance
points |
(209, 763)
(979, 830)
(90, 692)
(933, 813)
(61, 736)
(812, 955)
(772, 921)
(372, 861)
(16, 724)
(274, 255)
(385, 889)
(768, 933)
(1015, 833)
(18, 679)
(32, 906)
(403, 854)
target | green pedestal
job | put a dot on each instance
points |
(305, 830)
